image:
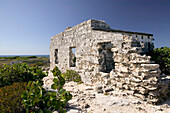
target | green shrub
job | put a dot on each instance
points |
(161, 56)
(14, 57)
(10, 98)
(19, 73)
(31, 57)
(36, 99)
(72, 75)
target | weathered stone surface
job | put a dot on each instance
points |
(112, 57)
(95, 43)
(89, 88)
(108, 89)
(134, 72)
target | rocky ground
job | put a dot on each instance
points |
(87, 100)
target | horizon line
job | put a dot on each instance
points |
(22, 54)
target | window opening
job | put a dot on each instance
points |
(72, 57)
(56, 56)
(106, 60)
(149, 45)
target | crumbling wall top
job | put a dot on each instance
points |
(101, 26)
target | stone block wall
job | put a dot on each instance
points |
(136, 73)
(113, 56)
(86, 41)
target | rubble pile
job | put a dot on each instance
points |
(136, 73)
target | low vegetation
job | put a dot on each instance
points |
(37, 100)
(71, 75)
(30, 60)
(10, 98)
(21, 90)
(18, 57)
(19, 73)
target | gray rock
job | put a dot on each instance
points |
(124, 103)
(136, 102)
(98, 88)
(92, 96)
(89, 88)
(108, 89)
(86, 106)
(73, 111)
(100, 91)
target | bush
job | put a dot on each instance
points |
(10, 98)
(31, 57)
(161, 56)
(14, 57)
(72, 75)
(19, 73)
(36, 99)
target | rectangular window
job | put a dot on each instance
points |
(106, 60)
(72, 57)
(56, 56)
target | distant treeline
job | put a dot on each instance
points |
(18, 57)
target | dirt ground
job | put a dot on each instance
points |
(86, 100)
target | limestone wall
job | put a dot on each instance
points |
(72, 37)
(87, 38)
(86, 42)
(100, 49)
(136, 73)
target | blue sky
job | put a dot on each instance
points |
(26, 26)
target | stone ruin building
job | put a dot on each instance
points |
(113, 57)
